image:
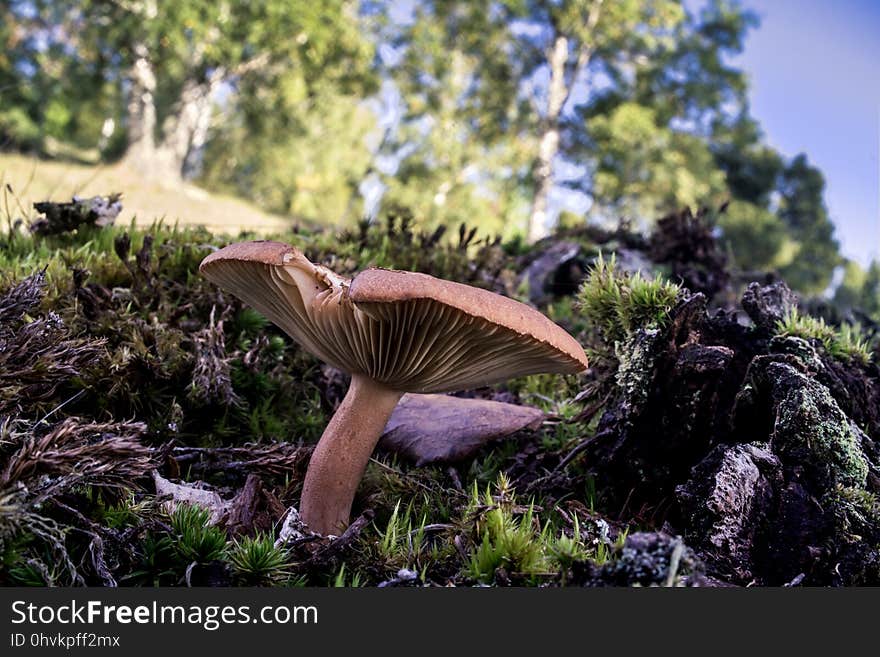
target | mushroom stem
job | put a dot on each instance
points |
(341, 456)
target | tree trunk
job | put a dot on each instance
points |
(192, 164)
(549, 144)
(185, 130)
(562, 78)
(141, 112)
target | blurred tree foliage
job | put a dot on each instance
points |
(306, 156)
(512, 82)
(454, 110)
(633, 104)
(860, 289)
(756, 238)
(47, 91)
(159, 68)
(19, 111)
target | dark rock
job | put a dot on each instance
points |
(702, 360)
(98, 211)
(556, 272)
(755, 437)
(664, 417)
(856, 389)
(768, 304)
(821, 452)
(855, 530)
(808, 431)
(805, 351)
(725, 502)
(795, 538)
(812, 431)
(647, 559)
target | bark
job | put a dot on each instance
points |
(141, 111)
(192, 163)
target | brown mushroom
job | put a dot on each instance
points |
(394, 332)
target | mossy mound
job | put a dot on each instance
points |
(120, 364)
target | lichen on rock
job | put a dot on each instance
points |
(635, 371)
(811, 432)
(651, 559)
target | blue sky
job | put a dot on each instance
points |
(814, 68)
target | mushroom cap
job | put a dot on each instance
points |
(408, 331)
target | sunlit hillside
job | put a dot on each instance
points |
(33, 179)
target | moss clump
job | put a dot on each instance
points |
(813, 431)
(508, 541)
(195, 539)
(854, 535)
(257, 562)
(618, 303)
(851, 345)
(627, 313)
(856, 511)
(511, 546)
(847, 343)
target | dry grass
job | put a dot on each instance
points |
(33, 180)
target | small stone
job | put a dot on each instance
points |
(430, 429)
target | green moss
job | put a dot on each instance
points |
(409, 541)
(342, 580)
(510, 542)
(506, 539)
(617, 303)
(195, 540)
(851, 344)
(856, 511)
(257, 562)
(811, 428)
(549, 392)
(854, 540)
(847, 343)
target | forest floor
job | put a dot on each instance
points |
(154, 430)
(34, 179)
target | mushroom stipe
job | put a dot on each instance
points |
(394, 332)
